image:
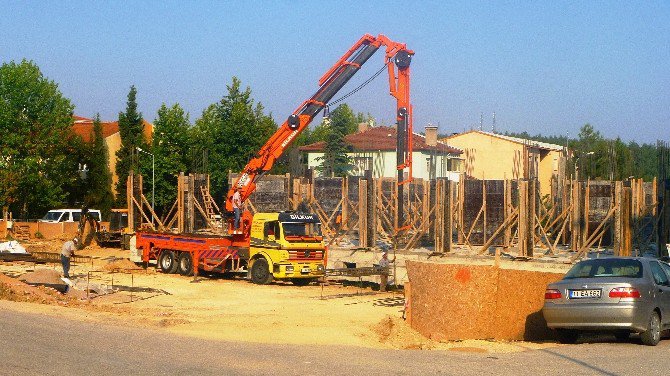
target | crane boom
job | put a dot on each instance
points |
(397, 58)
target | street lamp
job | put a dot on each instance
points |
(591, 167)
(153, 180)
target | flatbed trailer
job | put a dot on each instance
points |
(187, 254)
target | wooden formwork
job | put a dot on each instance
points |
(580, 215)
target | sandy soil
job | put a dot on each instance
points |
(226, 309)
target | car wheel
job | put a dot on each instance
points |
(567, 336)
(260, 272)
(622, 335)
(168, 262)
(652, 336)
(185, 264)
(302, 281)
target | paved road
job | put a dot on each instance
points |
(32, 344)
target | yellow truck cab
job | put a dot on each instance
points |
(286, 246)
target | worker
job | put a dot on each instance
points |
(237, 209)
(66, 253)
(384, 263)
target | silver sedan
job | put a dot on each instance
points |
(622, 295)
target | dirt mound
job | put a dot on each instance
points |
(43, 246)
(121, 264)
(15, 290)
(42, 276)
(395, 332)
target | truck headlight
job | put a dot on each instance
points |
(289, 268)
(320, 267)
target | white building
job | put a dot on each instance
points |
(374, 148)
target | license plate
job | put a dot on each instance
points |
(306, 270)
(581, 294)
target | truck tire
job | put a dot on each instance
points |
(302, 281)
(185, 264)
(260, 272)
(167, 261)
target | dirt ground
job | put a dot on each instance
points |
(334, 313)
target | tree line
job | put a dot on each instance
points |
(598, 158)
(41, 159)
(44, 165)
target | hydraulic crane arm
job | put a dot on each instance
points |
(397, 58)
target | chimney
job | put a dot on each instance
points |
(362, 127)
(431, 135)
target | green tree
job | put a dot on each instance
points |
(645, 160)
(131, 128)
(170, 146)
(593, 152)
(99, 195)
(335, 160)
(38, 150)
(232, 131)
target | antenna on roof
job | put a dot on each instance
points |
(494, 122)
(481, 120)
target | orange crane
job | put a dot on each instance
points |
(397, 61)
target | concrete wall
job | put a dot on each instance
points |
(487, 157)
(113, 143)
(548, 167)
(456, 302)
(47, 230)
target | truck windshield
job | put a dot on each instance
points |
(52, 216)
(301, 230)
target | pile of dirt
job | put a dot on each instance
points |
(43, 246)
(121, 264)
(395, 333)
(42, 277)
(15, 290)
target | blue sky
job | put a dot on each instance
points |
(542, 66)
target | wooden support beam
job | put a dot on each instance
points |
(525, 222)
(506, 223)
(509, 208)
(363, 213)
(594, 237)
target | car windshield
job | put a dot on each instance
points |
(599, 268)
(52, 216)
(301, 229)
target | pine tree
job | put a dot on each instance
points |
(99, 177)
(335, 160)
(232, 131)
(170, 146)
(131, 128)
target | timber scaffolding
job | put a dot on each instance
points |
(193, 211)
(628, 217)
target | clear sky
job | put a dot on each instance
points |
(542, 66)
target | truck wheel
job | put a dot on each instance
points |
(168, 262)
(302, 281)
(260, 272)
(185, 264)
(652, 335)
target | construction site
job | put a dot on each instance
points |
(472, 267)
(403, 262)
